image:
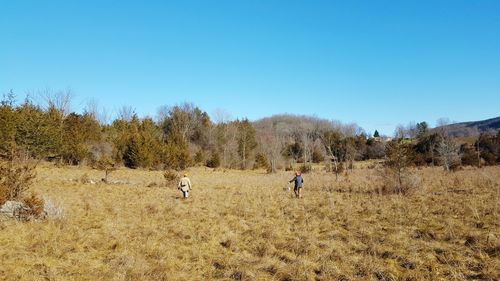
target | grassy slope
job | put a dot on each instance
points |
(243, 226)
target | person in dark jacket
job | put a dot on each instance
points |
(299, 184)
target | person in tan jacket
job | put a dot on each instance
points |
(185, 186)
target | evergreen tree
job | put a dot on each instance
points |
(132, 157)
(53, 137)
(176, 153)
(32, 130)
(214, 161)
(399, 158)
(8, 125)
(80, 131)
(422, 129)
(150, 146)
(261, 161)
(118, 135)
(427, 148)
(293, 150)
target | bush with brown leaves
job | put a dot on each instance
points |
(34, 206)
(16, 176)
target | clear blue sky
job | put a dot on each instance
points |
(377, 63)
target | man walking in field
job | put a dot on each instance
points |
(299, 183)
(184, 186)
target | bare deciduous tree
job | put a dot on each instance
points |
(93, 110)
(400, 132)
(331, 141)
(60, 100)
(448, 153)
(226, 142)
(221, 116)
(272, 144)
(307, 143)
(126, 113)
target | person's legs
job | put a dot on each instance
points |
(186, 195)
(300, 192)
(296, 191)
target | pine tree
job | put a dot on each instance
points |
(176, 153)
(261, 161)
(214, 161)
(32, 130)
(8, 125)
(422, 129)
(399, 158)
(132, 157)
(80, 131)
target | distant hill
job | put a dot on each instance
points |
(286, 124)
(467, 129)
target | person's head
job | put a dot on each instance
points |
(297, 173)
(185, 175)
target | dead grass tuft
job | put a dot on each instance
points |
(171, 177)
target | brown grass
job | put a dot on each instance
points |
(243, 226)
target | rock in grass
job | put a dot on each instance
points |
(11, 208)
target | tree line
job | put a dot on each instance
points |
(184, 135)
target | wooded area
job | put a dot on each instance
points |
(184, 135)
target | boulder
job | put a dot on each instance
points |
(11, 208)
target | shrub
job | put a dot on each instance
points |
(489, 158)
(132, 156)
(171, 177)
(469, 156)
(176, 152)
(16, 177)
(335, 169)
(394, 183)
(489, 145)
(107, 165)
(419, 160)
(214, 161)
(199, 157)
(34, 206)
(318, 156)
(305, 168)
(396, 175)
(260, 162)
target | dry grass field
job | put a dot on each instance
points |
(242, 225)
